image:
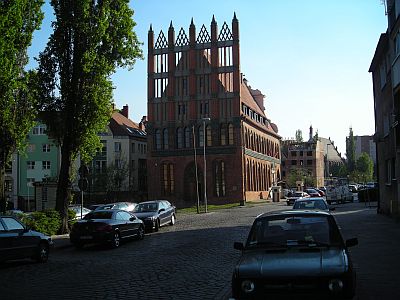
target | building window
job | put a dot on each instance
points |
(309, 153)
(220, 188)
(39, 130)
(208, 136)
(46, 147)
(201, 136)
(133, 148)
(293, 153)
(223, 134)
(294, 162)
(179, 138)
(117, 146)
(30, 165)
(8, 186)
(118, 164)
(165, 138)
(157, 141)
(230, 134)
(187, 137)
(46, 165)
(167, 178)
(309, 162)
(100, 166)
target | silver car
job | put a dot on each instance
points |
(312, 203)
(294, 253)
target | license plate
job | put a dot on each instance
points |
(86, 237)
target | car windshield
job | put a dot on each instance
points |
(146, 207)
(99, 215)
(299, 230)
(310, 204)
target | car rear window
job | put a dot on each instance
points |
(291, 230)
(99, 215)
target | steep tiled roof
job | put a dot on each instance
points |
(247, 98)
(120, 126)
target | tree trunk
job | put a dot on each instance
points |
(3, 200)
(64, 187)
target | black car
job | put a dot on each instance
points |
(17, 241)
(294, 253)
(128, 206)
(156, 213)
(106, 226)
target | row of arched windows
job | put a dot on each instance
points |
(259, 176)
(184, 136)
(261, 144)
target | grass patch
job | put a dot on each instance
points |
(210, 207)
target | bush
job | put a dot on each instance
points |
(47, 222)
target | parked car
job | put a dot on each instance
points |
(294, 253)
(106, 226)
(321, 192)
(317, 203)
(291, 197)
(128, 206)
(353, 188)
(77, 210)
(17, 241)
(156, 213)
(313, 192)
(322, 188)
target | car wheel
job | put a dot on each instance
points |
(116, 240)
(157, 225)
(173, 220)
(42, 254)
(141, 233)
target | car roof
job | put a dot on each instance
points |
(310, 199)
(152, 201)
(296, 212)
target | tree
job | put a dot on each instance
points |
(300, 174)
(351, 151)
(299, 136)
(18, 20)
(365, 166)
(91, 39)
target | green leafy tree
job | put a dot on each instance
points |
(365, 166)
(18, 20)
(299, 136)
(91, 39)
(351, 151)
(300, 174)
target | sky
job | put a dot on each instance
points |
(310, 58)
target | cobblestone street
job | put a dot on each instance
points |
(194, 260)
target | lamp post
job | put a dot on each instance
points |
(327, 159)
(204, 157)
(195, 167)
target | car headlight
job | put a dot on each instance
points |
(335, 285)
(248, 286)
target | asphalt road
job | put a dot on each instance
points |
(194, 260)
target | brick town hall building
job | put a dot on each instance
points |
(197, 95)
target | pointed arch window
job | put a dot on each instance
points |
(179, 138)
(187, 137)
(157, 140)
(208, 136)
(167, 179)
(220, 186)
(223, 134)
(230, 134)
(165, 139)
(201, 135)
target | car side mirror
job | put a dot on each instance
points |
(238, 246)
(332, 208)
(351, 242)
(161, 210)
(132, 219)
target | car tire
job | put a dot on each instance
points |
(42, 254)
(116, 240)
(157, 225)
(173, 220)
(141, 233)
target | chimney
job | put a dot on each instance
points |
(142, 124)
(311, 132)
(124, 111)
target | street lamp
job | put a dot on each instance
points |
(204, 156)
(195, 167)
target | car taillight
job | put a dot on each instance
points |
(104, 227)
